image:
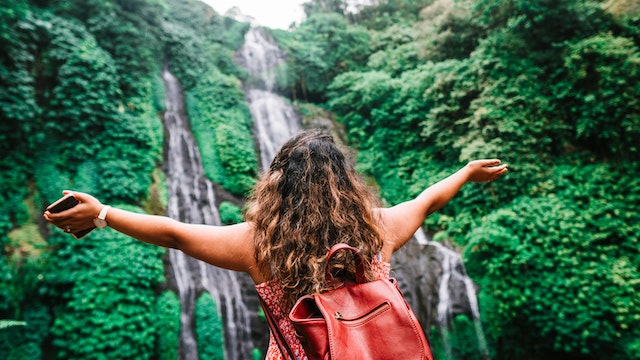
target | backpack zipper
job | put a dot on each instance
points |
(375, 312)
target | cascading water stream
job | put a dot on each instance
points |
(453, 269)
(192, 200)
(275, 119)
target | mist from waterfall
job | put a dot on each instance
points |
(192, 200)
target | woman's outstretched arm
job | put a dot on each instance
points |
(229, 247)
(400, 222)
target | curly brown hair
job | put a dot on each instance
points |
(310, 199)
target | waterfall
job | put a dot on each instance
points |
(452, 270)
(192, 200)
(274, 118)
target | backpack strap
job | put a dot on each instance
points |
(283, 346)
(360, 278)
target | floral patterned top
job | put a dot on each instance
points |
(271, 292)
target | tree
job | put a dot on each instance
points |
(603, 90)
(209, 329)
(325, 6)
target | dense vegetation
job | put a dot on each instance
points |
(421, 86)
(81, 98)
(550, 87)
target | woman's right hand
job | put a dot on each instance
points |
(79, 217)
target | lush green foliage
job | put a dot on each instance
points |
(185, 45)
(589, 305)
(23, 340)
(86, 121)
(230, 213)
(422, 86)
(110, 299)
(604, 107)
(321, 48)
(167, 325)
(80, 96)
(551, 88)
(221, 122)
(209, 333)
(383, 14)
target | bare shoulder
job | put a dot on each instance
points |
(244, 251)
(395, 228)
(246, 232)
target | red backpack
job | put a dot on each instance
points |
(365, 320)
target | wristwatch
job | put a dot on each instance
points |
(101, 221)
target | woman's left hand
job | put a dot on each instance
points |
(77, 218)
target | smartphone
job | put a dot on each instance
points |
(64, 203)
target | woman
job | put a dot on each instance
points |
(310, 199)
